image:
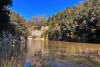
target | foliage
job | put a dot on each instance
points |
(98, 65)
(68, 10)
(46, 65)
(4, 14)
(10, 41)
(18, 23)
(80, 21)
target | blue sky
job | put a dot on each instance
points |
(46, 8)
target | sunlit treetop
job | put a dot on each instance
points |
(76, 8)
(68, 10)
(82, 6)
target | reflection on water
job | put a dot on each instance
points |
(58, 49)
(46, 46)
(36, 45)
(68, 48)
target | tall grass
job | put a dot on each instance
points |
(14, 61)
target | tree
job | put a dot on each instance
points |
(18, 23)
(68, 10)
(10, 41)
(79, 20)
(4, 14)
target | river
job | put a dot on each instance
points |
(56, 52)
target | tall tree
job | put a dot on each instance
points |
(10, 41)
(4, 13)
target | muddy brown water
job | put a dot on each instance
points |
(58, 47)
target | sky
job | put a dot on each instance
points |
(46, 8)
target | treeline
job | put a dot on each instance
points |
(78, 24)
(12, 29)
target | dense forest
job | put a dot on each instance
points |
(80, 23)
